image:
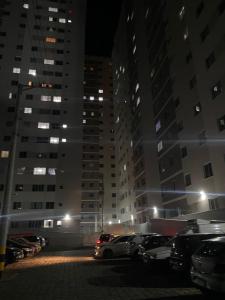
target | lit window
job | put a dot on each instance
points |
(138, 101)
(84, 121)
(61, 20)
(54, 140)
(69, 21)
(39, 171)
(134, 49)
(157, 126)
(50, 40)
(52, 171)
(32, 72)
(53, 9)
(160, 146)
(100, 91)
(49, 61)
(182, 12)
(147, 12)
(16, 70)
(152, 73)
(128, 18)
(197, 108)
(84, 113)
(131, 143)
(46, 98)
(50, 19)
(123, 70)
(57, 99)
(48, 223)
(92, 98)
(26, 5)
(64, 140)
(118, 119)
(27, 110)
(59, 223)
(92, 114)
(10, 95)
(134, 37)
(84, 97)
(100, 98)
(42, 125)
(125, 167)
(4, 154)
(137, 87)
(64, 126)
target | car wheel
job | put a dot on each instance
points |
(107, 253)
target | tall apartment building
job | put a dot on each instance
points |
(169, 89)
(98, 202)
(42, 47)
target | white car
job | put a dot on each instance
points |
(208, 266)
(116, 247)
(158, 254)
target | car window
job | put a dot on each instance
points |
(121, 239)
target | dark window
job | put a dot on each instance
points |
(29, 97)
(210, 60)
(51, 188)
(193, 82)
(208, 172)
(17, 205)
(50, 205)
(19, 47)
(188, 57)
(18, 58)
(113, 175)
(38, 188)
(22, 154)
(42, 139)
(11, 109)
(53, 155)
(213, 204)
(7, 138)
(1, 187)
(202, 138)
(187, 179)
(113, 205)
(36, 205)
(183, 152)
(216, 90)
(24, 139)
(113, 195)
(204, 33)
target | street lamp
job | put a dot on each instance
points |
(5, 218)
(203, 195)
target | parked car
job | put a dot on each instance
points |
(27, 250)
(133, 244)
(13, 254)
(158, 254)
(105, 238)
(26, 242)
(115, 248)
(183, 247)
(35, 239)
(152, 242)
(208, 266)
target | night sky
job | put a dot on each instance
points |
(101, 23)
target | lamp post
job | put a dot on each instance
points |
(5, 217)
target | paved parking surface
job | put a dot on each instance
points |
(74, 275)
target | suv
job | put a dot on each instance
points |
(208, 266)
(183, 247)
(152, 242)
(104, 238)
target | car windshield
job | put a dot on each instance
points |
(121, 239)
(211, 249)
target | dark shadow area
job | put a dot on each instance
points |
(136, 274)
(184, 297)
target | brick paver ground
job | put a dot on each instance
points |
(74, 275)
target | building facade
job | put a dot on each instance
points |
(98, 202)
(169, 102)
(42, 51)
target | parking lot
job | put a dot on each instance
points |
(76, 275)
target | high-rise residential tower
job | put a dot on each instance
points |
(168, 89)
(98, 202)
(42, 56)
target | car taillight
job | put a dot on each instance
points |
(220, 269)
(98, 242)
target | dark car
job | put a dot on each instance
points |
(183, 248)
(27, 250)
(152, 242)
(35, 239)
(13, 254)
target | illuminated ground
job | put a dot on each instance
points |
(74, 275)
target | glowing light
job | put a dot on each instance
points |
(110, 222)
(67, 217)
(132, 217)
(119, 221)
(203, 195)
(155, 210)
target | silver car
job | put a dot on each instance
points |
(208, 266)
(114, 248)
